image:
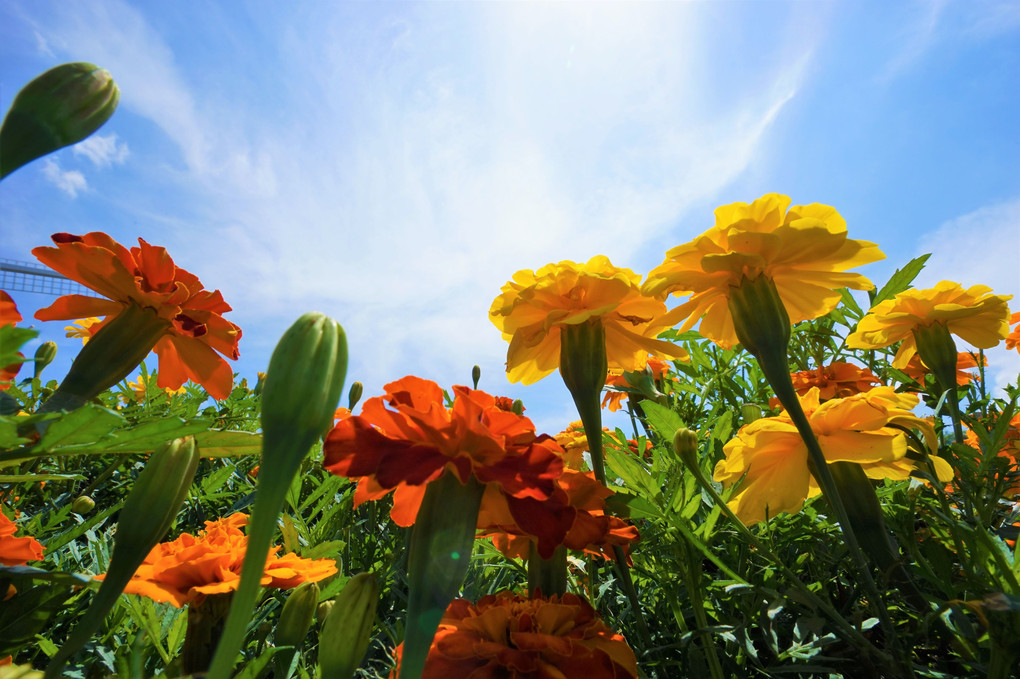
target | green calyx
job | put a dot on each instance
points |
(759, 316)
(938, 351)
(347, 627)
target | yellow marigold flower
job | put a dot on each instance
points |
(974, 315)
(535, 306)
(81, 328)
(858, 429)
(804, 250)
(140, 388)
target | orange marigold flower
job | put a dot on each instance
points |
(804, 250)
(16, 551)
(915, 369)
(83, 328)
(1010, 450)
(146, 276)
(618, 378)
(836, 379)
(771, 458)
(513, 637)
(1013, 338)
(415, 440)
(191, 567)
(574, 516)
(535, 306)
(974, 315)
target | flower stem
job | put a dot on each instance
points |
(440, 550)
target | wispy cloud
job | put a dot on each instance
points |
(916, 38)
(68, 181)
(102, 150)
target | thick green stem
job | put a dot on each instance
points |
(438, 557)
(205, 624)
(547, 575)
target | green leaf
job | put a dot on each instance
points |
(11, 340)
(32, 478)
(228, 443)
(148, 436)
(664, 421)
(900, 280)
(87, 424)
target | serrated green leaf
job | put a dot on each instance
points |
(900, 280)
(664, 421)
(87, 424)
(150, 435)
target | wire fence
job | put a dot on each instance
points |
(32, 277)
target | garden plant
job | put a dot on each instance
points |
(812, 483)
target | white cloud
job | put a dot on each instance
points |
(70, 181)
(981, 247)
(103, 151)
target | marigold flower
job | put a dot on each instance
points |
(535, 306)
(805, 250)
(82, 329)
(617, 378)
(1013, 338)
(574, 516)
(412, 442)
(9, 315)
(507, 635)
(574, 443)
(191, 567)
(1010, 450)
(147, 277)
(974, 315)
(836, 379)
(857, 428)
(16, 551)
(140, 388)
(915, 369)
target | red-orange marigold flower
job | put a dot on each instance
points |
(507, 636)
(192, 566)
(9, 315)
(416, 439)
(574, 516)
(16, 551)
(837, 379)
(146, 276)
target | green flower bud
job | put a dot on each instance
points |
(354, 395)
(150, 508)
(347, 629)
(322, 612)
(295, 621)
(83, 505)
(44, 355)
(518, 407)
(299, 398)
(750, 412)
(476, 374)
(685, 443)
(303, 385)
(61, 107)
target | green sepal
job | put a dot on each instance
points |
(347, 628)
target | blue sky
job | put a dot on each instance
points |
(393, 165)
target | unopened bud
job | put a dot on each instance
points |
(685, 443)
(322, 612)
(518, 407)
(476, 374)
(61, 107)
(83, 505)
(295, 621)
(354, 395)
(750, 412)
(347, 629)
(44, 355)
